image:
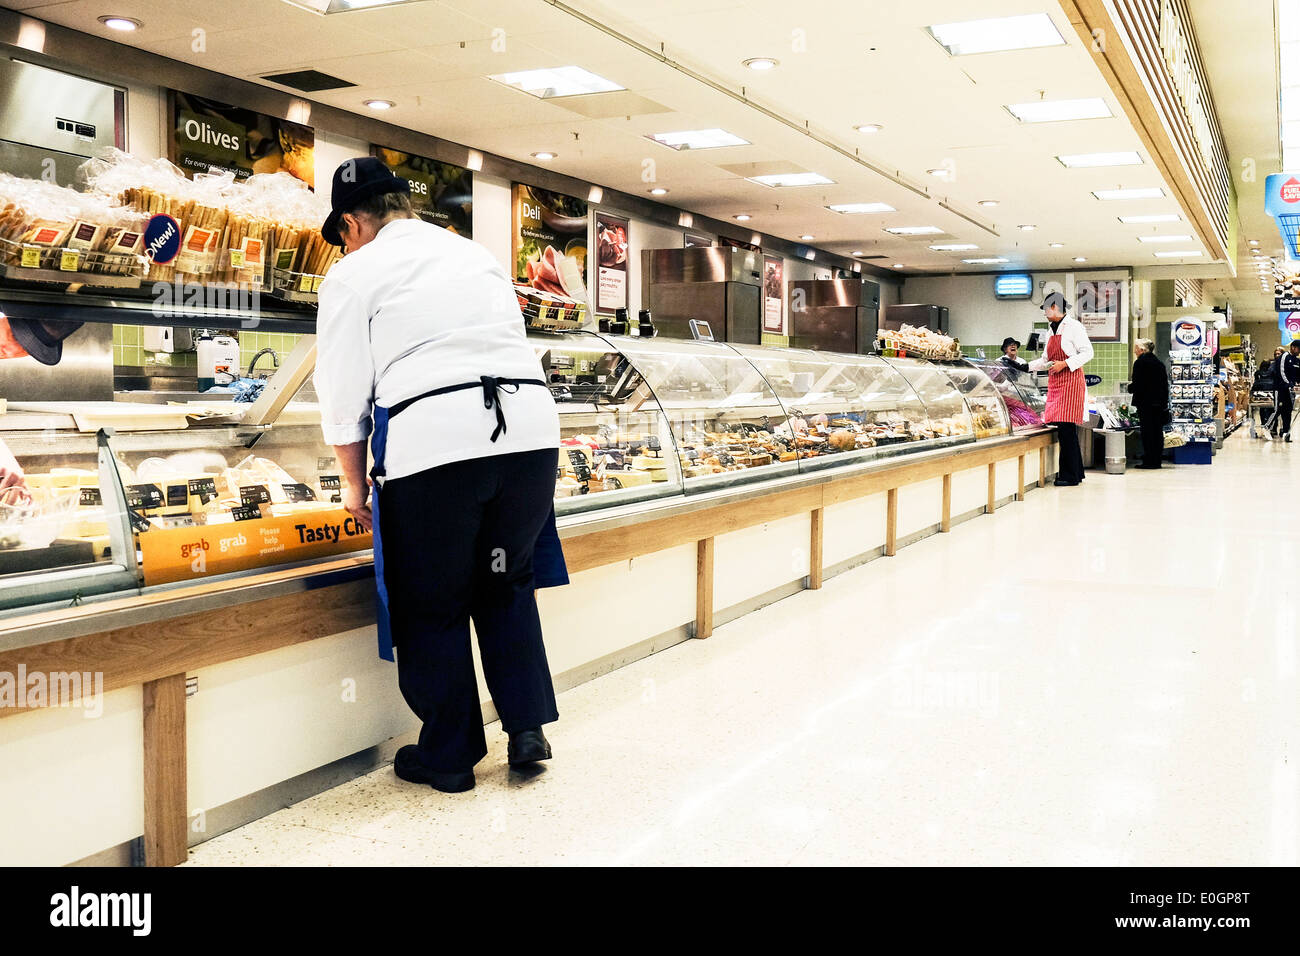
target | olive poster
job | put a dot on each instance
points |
(611, 263)
(773, 294)
(212, 137)
(441, 193)
(550, 241)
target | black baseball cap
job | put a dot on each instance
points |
(355, 181)
(39, 342)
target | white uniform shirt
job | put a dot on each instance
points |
(1075, 343)
(416, 309)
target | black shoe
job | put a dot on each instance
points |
(409, 765)
(528, 746)
(1062, 483)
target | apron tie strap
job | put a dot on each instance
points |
(492, 400)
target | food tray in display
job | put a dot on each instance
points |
(295, 286)
(50, 265)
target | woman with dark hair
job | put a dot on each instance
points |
(1068, 350)
(1150, 390)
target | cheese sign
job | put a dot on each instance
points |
(182, 554)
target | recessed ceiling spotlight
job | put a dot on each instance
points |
(988, 203)
(807, 238)
(761, 63)
(121, 24)
(1080, 259)
(868, 127)
(1056, 245)
(938, 171)
(742, 217)
(659, 191)
(544, 154)
(379, 104)
(1027, 227)
(1253, 242)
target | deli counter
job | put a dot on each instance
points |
(123, 495)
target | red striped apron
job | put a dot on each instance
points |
(1067, 392)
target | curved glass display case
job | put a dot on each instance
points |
(988, 412)
(159, 488)
(616, 445)
(1019, 391)
(846, 408)
(727, 422)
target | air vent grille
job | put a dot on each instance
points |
(308, 81)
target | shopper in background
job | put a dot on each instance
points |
(1287, 372)
(422, 347)
(1150, 390)
(1264, 390)
(1068, 350)
(1010, 352)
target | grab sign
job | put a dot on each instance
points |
(162, 239)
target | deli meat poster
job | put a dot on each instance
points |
(611, 263)
(773, 294)
(550, 241)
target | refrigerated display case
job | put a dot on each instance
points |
(174, 492)
(1019, 390)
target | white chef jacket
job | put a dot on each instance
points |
(1075, 343)
(415, 309)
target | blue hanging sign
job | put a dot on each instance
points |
(1282, 202)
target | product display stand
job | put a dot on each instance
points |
(1191, 393)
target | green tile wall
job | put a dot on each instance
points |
(1111, 360)
(128, 349)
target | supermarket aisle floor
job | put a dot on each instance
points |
(1099, 675)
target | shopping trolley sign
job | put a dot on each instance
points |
(1289, 322)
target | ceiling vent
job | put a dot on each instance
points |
(308, 81)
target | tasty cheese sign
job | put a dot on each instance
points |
(182, 554)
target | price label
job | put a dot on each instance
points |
(177, 496)
(297, 491)
(304, 283)
(143, 496)
(330, 483)
(246, 512)
(70, 260)
(284, 259)
(236, 258)
(205, 489)
(90, 498)
(315, 283)
(31, 258)
(254, 495)
(577, 459)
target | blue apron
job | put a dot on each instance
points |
(549, 569)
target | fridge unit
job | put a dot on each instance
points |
(719, 285)
(834, 315)
(933, 317)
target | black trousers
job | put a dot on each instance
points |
(1151, 421)
(458, 545)
(1284, 404)
(1070, 464)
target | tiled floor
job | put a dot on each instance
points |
(1100, 675)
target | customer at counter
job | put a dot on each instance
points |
(1068, 350)
(422, 347)
(1150, 390)
(1010, 355)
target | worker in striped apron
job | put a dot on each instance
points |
(1068, 350)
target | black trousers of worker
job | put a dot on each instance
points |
(458, 544)
(1069, 466)
(1284, 404)
(1151, 420)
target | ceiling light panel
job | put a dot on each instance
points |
(1094, 160)
(1060, 111)
(556, 82)
(1142, 220)
(914, 230)
(860, 208)
(1171, 254)
(997, 35)
(1111, 195)
(698, 139)
(1165, 239)
(955, 247)
(792, 179)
